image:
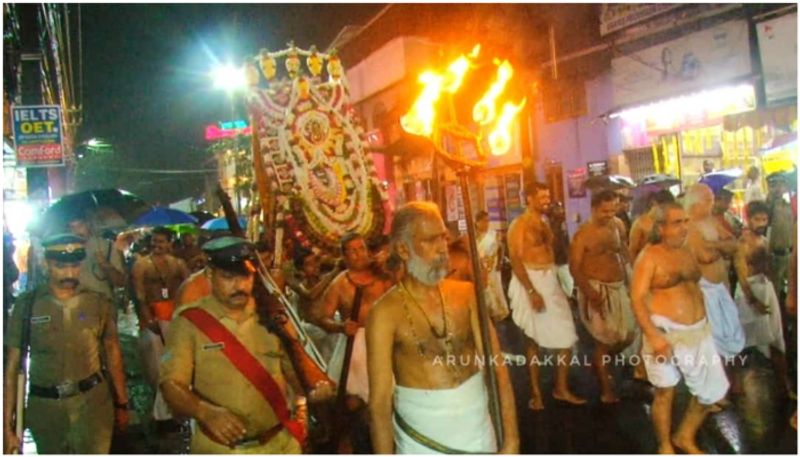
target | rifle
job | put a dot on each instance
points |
(341, 391)
(273, 308)
(22, 375)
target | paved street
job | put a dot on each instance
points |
(756, 423)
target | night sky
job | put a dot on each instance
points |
(146, 84)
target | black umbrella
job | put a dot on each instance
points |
(202, 216)
(612, 182)
(107, 207)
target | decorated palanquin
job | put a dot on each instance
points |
(321, 179)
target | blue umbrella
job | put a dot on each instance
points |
(716, 180)
(164, 216)
(221, 223)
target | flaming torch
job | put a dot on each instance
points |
(423, 119)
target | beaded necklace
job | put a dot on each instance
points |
(445, 334)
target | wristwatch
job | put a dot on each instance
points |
(121, 405)
(531, 291)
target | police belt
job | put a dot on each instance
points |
(245, 443)
(67, 389)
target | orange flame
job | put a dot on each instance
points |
(420, 118)
(484, 111)
(500, 137)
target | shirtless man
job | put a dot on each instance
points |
(427, 393)
(643, 225)
(705, 242)
(539, 306)
(156, 278)
(340, 297)
(759, 309)
(668, 305)
(599, 264)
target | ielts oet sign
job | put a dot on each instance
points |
(38, 135)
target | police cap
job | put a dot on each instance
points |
(64, 247)
(231, 253)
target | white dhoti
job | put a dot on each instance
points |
(457, 418)
(565, 279)
(495, 297)
(616, 325)
(357, 378)
(553, 328)
(151, 346)
(761, 330)
(723, 315)
(694, 355)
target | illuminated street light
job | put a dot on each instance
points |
(229, 78)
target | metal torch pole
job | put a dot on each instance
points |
(490, 375)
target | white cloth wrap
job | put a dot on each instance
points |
(723, 314)
(151, 347)
(553, 328)
(617, 323)
(761, 331)
(693, 354)
(357, 378)
(457, 418)
(488, 249)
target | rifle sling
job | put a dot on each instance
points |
(248, 366)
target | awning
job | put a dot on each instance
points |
(779, 116)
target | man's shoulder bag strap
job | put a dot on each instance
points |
(248, 365)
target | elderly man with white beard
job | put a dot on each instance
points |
(425, 354)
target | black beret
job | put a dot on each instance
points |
(231, 253)
(64, 247)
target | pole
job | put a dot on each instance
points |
(490, 377)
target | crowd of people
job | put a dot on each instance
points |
(677, 293)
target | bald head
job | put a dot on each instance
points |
(699, 200)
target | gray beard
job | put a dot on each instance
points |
(428, 274)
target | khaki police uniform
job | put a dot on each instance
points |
(65, 346)
(191, 359)
(92, 276)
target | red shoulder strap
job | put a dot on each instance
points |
(248, 365)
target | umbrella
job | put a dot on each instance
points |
(180, 229)
(164, 216)
(612, 182)
(656, 182)
(716, 180)
(202, 216)
(104, 207)
(221, 223)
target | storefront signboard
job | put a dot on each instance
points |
(777, 42)
(598, 168)
(697, 61)
(576, 182)
(513, 196)
(37, 136)
(618, 16)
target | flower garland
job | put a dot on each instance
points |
(314, 149)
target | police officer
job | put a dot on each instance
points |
(199, 374)
(70, 408)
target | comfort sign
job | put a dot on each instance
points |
(38, 135)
